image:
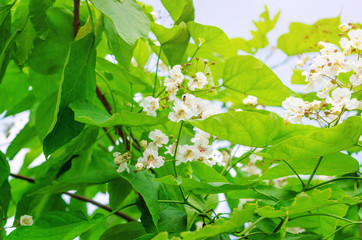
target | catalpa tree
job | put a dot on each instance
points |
(167, 124)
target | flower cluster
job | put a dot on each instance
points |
(121, 160)
(150, 158)
(188, 106)
(324, 78)
(26, 220)
(200, 150)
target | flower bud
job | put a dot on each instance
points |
(143, 143)
(197, 58)
(139, 166)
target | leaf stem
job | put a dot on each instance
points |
(251, 226)
(174, 162)
(109, 88)
(313, 173)
(155, 83)
(300, 179)
(247, 154)
(340, 228)
(334, 180)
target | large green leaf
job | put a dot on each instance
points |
(334, 164)
(127, 17)
(48, 56)
(250, 76)
(198, 186)
(13, 88)
(56, 225)
(319, 143)
(5, 192)
(245, 128)
(304, 38)
(239, 217)
(24, 41)
(88, 113)
(173, 41)
(143, 183)
(38, 16)
(6, 39)
(78, 82)
(128, 231)
(121, 50)
(211, 38)
(182, 10)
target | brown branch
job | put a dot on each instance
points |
(104, 101)
(76, 21)
(84, 199)
(28, 179)
(81, 198)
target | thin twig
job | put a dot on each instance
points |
(81, 198)
(76, 21)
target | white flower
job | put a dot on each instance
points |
(312, 80)
(158, 138)
(315, 105)
(343, 27)
(199, 135)
(253, 101)
(171, 149)
(328, 86)
(187, 153)
(252, 170)
(150, 105)
(254, 158)
(181, 112)
(295, 230)
(199, 82)
(26, 220)
(300, 63)
(356, 38)
(176, 74)
(139, 166)
(150, 159)
(296, 108)
(207, 109)
(123, 166)
(346, 45)
(280, 182)
(341, 97)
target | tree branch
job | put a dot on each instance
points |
(81, 198)
(76, 21)
(84, 199)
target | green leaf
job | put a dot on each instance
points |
(142, 52)
(38, 16)
(253, 129)
(13, 88)
(25, 136)
(56, 225)
(211, 38)
(303, 38)
(203, 187)
(259, 40)
(6, 38)
(173, 41)
(5, 192)
(121, 50)
(127, 17)
(180, 11)
(239, 217)
(172, 219)
(248, 75)
(297, 77)
(319, 143)
(48, 56)
(118, 189)
(24, 41)
(331, 165)
(88, 113)
(161, 236)
(78, 82)
(143, 183)
(128, 231)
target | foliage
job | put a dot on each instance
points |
(160, 157)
